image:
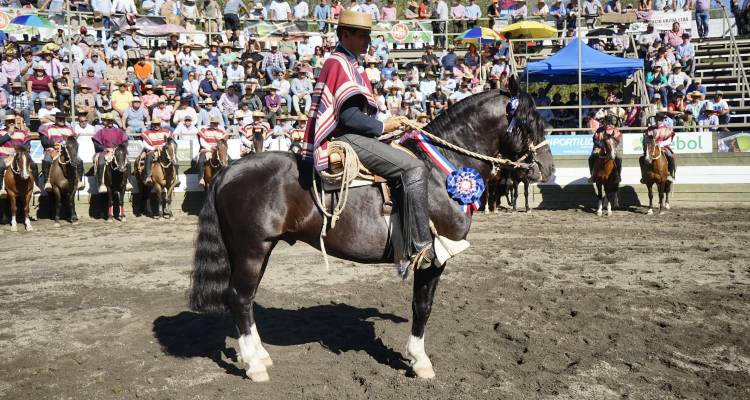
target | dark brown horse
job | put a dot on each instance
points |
(267, 198)
(116, 175)
(219, 159)
(63, 176)
(605, 175)
(163, 178)
(19, 184)
(655, 170)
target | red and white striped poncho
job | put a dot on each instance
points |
(340, 79)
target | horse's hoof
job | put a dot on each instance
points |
(667, 206)
(156, 217)
(14, 228)
(260, 376)
(268, 362)
(123, 219)
(109, 220)
(29, 228)
(650, 212)
(56, 225)
(424, 373)
(599, 213)
(609, 213)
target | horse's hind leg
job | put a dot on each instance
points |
(121, 195)
(26, 206)
(72, 204)
(600, 197)
(248, 266)
(57, 204)
(661, 188)
(425, 283)
(526, 195)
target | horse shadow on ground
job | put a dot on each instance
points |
(337, 327)
(581, 196)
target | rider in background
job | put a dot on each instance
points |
(663, 137)
(608, 128)
(208, 138)
(10, 138)
(153, 140)
(52, 137)
(247, 133)
(105, 140)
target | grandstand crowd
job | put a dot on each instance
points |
(240, 78)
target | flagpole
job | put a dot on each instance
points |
(70, 63)
(580, 99)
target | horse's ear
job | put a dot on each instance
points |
(513, 87)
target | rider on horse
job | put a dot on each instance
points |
(153, 140)
(52, 137)
(663, 137)
(246, 133)
(10, 138)
(208, 138)
(344, 108)
(105, 140)
(608, 128)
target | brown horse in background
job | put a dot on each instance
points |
(163, 178)
(63, 176)
(19, 182)
(604, 175)
(257, 142)
(655, 170)
(219, 159)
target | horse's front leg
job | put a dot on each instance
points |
(526, 195)
(168, 201)
(600, 197)
(121, 201)
(515, 195)
(650, 187)
(26, 208)
(12, 199)
(110, 205)
(425, 283)
(71, 200)
(57, 204)
(667, 190)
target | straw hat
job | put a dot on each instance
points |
(355, 19)
(302, 117)
(696, 93)
(258, 113)
(213, 119)
(155, 120)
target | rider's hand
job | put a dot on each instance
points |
(391, 124)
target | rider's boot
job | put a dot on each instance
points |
(591, 168)
(671, 167)
(100, 178)
(618, 170)
(416, 219)
(81, 176)
(3, 193)
(45, 176)
(147, 164)
(201, 168)
(128, 186)
(177, 175)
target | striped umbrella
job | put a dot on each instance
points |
(480, 35)
(33, 21)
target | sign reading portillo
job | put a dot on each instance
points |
(684, 142)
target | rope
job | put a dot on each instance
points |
(346, 176)
(499, 161)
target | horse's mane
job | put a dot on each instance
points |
(529, 118)
(454, 117)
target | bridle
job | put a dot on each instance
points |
(651, 157)
(117, 167)
(166, 153)
(17, 164)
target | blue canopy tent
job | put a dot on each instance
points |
(596, 67)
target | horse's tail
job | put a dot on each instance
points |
(211, 270)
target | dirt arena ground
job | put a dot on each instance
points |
(551, 305)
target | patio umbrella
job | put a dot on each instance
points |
(479, 35)
(162, 30)
(33, 21)
(529, 30)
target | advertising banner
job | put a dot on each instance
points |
(404, 32)
(684, 142)
(570, 145)
(730, 142)
(663, 20)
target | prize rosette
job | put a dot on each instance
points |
(465, 185)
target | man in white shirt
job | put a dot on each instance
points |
(302, 89)
(438, 27)
(235, 73)
(83, 128)
(164, 60)
(279, 11)
(185, 128)
(283, 88)
(427, 86)
(371, 8)
(301, 10)
(123, 7)
(460, 94)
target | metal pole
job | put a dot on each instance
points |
(70, 62)
(580, 89)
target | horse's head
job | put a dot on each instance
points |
(649, 145)
(22, 163)
(258, 140)
(120, 159)
(222, 153)
(168, 153)
(69, 151)
(527, 140)
(610, 145)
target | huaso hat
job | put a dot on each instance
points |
(355, 19)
